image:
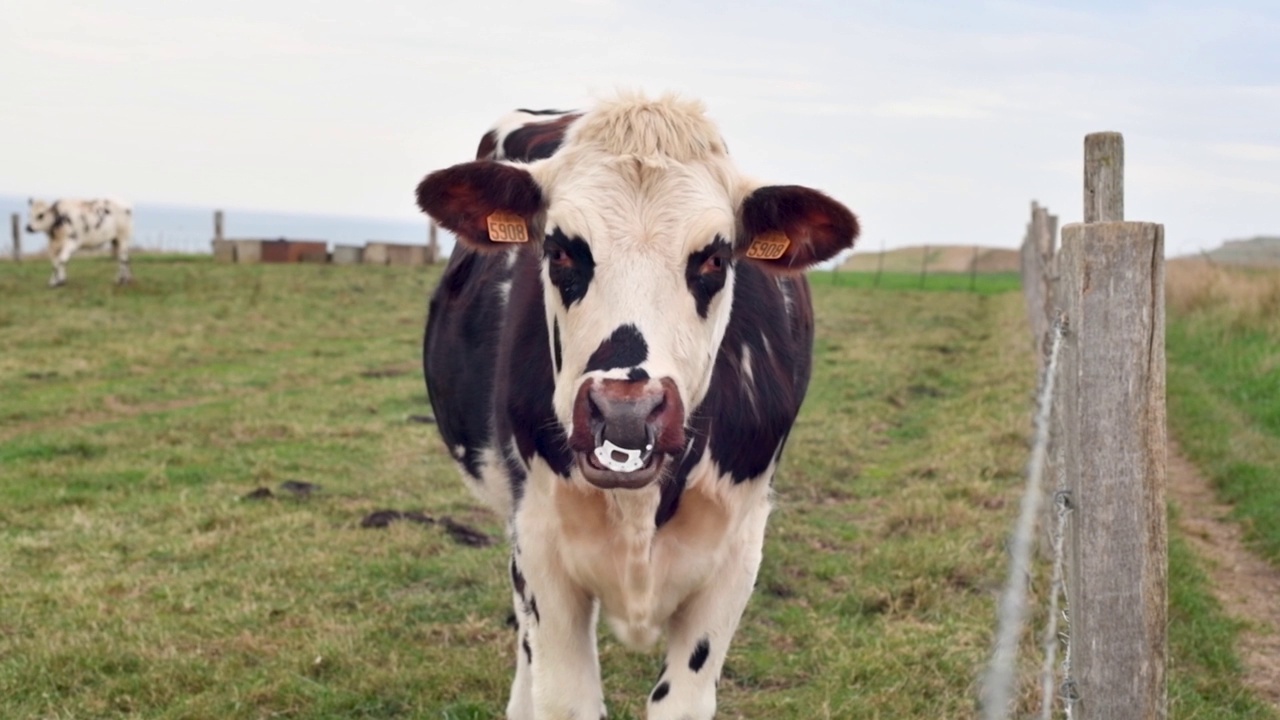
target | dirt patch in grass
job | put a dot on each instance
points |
(1245, 584)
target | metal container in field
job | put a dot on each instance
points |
(347, 254)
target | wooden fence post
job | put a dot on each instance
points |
(924, 265)
(15, 224)
(217, 225)
(433, 245)
(879, 264)
(1033, 271)
(1113, 428)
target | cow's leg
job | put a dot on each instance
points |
(120, 248)
(700, 633)
(565, 670)
(60, 254)
(557, 669)
(520, 705)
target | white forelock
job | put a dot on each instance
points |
(632, 126)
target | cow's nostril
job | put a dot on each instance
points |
(596, 412)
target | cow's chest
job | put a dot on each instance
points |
(608, 545)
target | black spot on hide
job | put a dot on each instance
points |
(700, 653)
(704, 280)
(625, 348)
(660, 692)
(572, 275)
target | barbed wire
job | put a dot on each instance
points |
(1062, 503)
(997, 686)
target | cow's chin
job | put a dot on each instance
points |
(606, 479)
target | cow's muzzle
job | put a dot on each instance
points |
(624, 431)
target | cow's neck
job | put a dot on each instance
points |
(632, 512)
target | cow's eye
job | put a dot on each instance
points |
(712, 265)
(557, 256)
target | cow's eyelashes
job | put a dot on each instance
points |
(713, 265)
(557, 255)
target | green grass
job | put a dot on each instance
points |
(1204, 669)
(139, 583)
(1224, 393)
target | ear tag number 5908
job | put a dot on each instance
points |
(769, 246)
(505, 227)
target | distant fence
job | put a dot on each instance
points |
(15, 227)
(1098, 301)
(938, 267)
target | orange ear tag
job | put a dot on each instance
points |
(505, 227)
(769, 246)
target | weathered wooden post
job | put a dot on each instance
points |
(1049, 267)
(217, 226)
(433, 245)
(924, 265)
(973, 270)
(1033, 271)
(15, 225)
(1113, 423)
(879, 264)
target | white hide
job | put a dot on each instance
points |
(74, 224)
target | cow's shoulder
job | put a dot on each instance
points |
(761, 374)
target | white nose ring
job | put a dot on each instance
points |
(619, 459)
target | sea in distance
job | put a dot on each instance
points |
(189, 229)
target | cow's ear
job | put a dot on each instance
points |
(474, 198)
(790, 227)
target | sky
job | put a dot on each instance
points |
(937, 122)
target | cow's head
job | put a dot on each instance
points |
(40, 216)
(640, 220)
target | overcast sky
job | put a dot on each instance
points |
(936, 121)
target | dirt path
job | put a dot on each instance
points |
(1247, 586)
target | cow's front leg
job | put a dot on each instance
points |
(700, 633)
(121, 251)
(520, 704)
(557, 668)
(59, 255)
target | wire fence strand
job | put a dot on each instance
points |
(1062, 503)
(997, 686)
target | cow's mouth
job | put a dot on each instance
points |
(611, 467)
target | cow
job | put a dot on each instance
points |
(75, 224)
(615, 354)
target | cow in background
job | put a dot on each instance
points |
(74, 224)
(615, 355)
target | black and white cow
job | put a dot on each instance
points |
(615, 354)
(74, 224)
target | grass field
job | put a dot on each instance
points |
(1224, 386)
(987, 284)
(141, 581)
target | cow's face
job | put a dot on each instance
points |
(638, 256)
(40, 216)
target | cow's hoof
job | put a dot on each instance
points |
(57, 283)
